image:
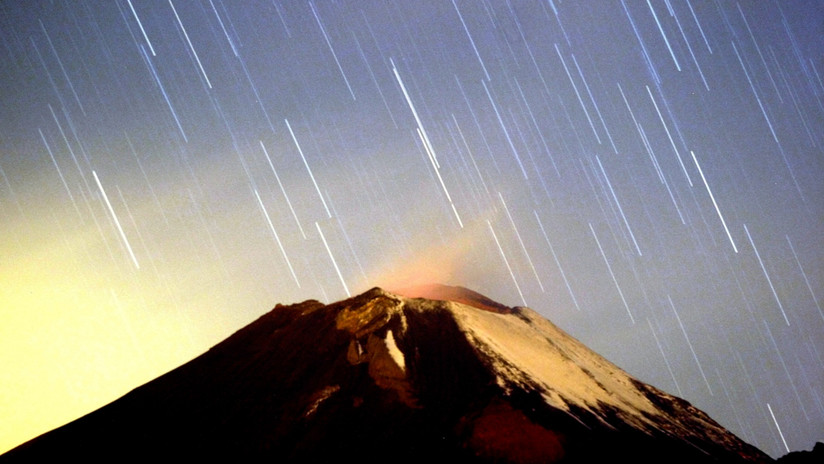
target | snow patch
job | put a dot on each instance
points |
(394, 351)
(531, 350)
(319, 397)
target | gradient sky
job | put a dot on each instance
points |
(647, 175)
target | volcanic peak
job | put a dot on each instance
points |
(407, 376)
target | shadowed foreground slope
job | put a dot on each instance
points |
(382, 377)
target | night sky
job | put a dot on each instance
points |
(645, 174)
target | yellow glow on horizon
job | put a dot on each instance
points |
(72, 339)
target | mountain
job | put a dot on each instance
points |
(814, 456)
(431, 372)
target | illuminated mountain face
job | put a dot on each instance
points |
(383, 377)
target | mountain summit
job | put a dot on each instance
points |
(432, 372)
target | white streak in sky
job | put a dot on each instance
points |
(621, 210)
(506, 132)
(769, 123)
(163, 91)
(277, 178)
(757, 98)
(68, 145)
(538, 128)
(334, 263)
(778, 428)
(592, 99)
(116, 221)
(374, 79)
(692, 53)
(427, 145)
(334, 55)
(643, 136)
(717, 210)
(557, 263)
(806, 280)
(692, 350)
(701, 29)
(277, 239)
(471, 41)
(578, 94)
(663, 355)
(786, 371)
(136, 229)
(225, 32)
(62, 68)
(663, 35)
(59, 172)
(769, 281)
(48, 74)
(469, 152)
(141, 28)
(672, 142)
(307, 168)
(609, 268)
(644, 51)
(558, 18)
(289, 35)
(506, 261)
(654, 159)
(521, 242)
(348, 240)
(758, 49)
(190, 43)
(430, 151)
(257, 95)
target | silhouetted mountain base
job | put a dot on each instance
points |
(816, 456)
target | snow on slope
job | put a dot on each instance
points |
(394, 351)
(531, 349)
(528, 352)
(526, 349)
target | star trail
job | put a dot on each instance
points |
(647, 174)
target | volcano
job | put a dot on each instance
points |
(431, 372)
